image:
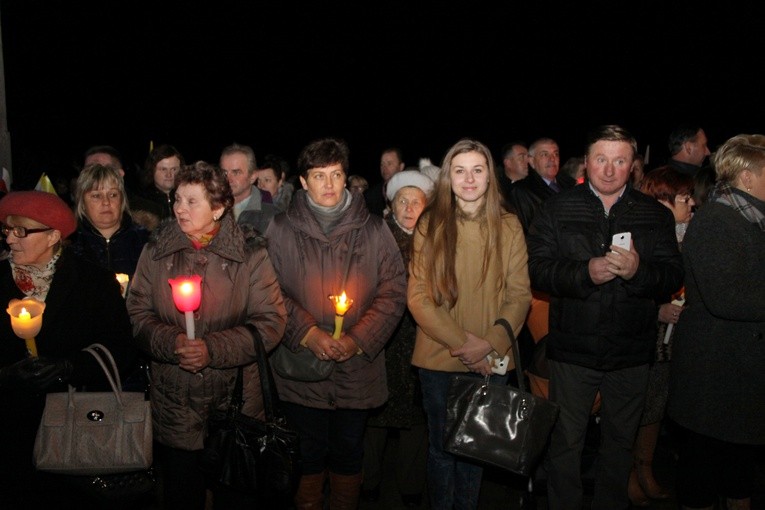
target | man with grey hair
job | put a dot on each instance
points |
(252, 206)
(527, 195)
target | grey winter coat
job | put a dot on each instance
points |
(310, 267)
(239, 287)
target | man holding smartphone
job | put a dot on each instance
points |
(602, 312)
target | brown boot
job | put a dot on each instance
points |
(645, 445)
(635, 493)
(310, 493)
(344, 491)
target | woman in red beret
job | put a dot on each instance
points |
(83, 305)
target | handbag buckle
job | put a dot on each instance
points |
(95, 415)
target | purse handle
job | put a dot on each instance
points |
(516, 352)
(99, 351)
(267, 385)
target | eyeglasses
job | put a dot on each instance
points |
(98, 196)
(21, 232)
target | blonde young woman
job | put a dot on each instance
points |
(468, 269)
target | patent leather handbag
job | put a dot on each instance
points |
(250, 455)
(496, 424)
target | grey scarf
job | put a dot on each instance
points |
(329, 217)
(742, 202)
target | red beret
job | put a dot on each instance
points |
(41, 206)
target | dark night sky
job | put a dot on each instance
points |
(420, 75)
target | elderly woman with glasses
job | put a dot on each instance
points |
(106, 232)
(82, 305)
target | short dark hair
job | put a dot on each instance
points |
(508, 147)
(681, 134)
(158, 154)
(280, 166)
(611, 133)
(322, 153)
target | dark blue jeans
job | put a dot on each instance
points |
(452, 483)
(329, 438)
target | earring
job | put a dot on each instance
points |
(215, 218)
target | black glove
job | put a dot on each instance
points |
(10, 375)
(37, 374)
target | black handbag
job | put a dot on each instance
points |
(250, 455)
(497, 424)
(302, 365)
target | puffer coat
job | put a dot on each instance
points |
(310, 267)
(239, 288)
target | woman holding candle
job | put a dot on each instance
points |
(468, 269)
(106, 233)
(309, 245)
(82, 305)
(240, 303)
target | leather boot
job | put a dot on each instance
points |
(344, 491)
(635, 493)
(645, 445)
(739, 504)
(310, 493)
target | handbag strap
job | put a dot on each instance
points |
(267, 385)
(351, 245)
(99, 351)
(516, 352)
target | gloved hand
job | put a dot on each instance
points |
(36, 374)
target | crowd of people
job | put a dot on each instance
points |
(665, 331)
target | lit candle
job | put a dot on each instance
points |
(187, 295)
(124, 281)
(342, 304)
(26, 320)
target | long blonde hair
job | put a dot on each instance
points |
(438, 226)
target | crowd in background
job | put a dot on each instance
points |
(665, 331)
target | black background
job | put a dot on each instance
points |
(419, 75)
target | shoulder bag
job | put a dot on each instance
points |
(95, 433)
(251, 455)
(496, 424)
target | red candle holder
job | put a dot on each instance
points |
(187, 295)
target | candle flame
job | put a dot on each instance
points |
(342, 303)
(24, 314)
(186, 288)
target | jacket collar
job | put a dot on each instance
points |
(168, 239)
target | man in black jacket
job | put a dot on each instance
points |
(602, 312)
(527, 195)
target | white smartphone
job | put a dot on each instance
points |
(622, 240)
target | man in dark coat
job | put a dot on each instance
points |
(602, 312)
